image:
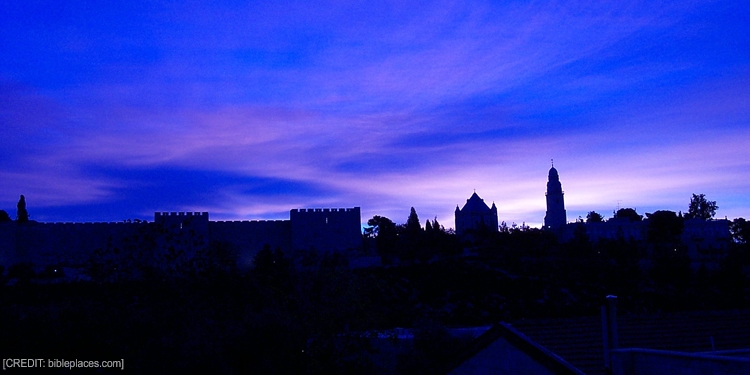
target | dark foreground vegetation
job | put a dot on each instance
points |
(307, 315)
(312, 312)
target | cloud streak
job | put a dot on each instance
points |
(248, 111)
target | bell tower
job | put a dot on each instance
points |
(556, 217)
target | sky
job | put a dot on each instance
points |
(114, 110)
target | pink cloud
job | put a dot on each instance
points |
(367, 85)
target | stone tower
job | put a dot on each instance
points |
(556, 218)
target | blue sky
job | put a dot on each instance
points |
(111, 111)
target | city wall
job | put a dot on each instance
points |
(249, 237)
(326, 229)
(69, 244)
(72, 244)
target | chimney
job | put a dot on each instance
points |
(609, 329)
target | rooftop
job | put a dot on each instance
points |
(579, 340)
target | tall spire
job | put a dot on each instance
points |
(556, 216)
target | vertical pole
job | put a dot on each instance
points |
(609, 327)
(605, 336)
(612, 306)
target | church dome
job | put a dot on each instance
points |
(553, 174)
(553, 183)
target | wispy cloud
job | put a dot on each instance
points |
(267, 107)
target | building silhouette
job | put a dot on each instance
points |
(476, 216)
(72, 244)
(556, 217)
(706, 241)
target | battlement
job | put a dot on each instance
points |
(311, 210)
(325, 229)
(158, 215)
(93, 223)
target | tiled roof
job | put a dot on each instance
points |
(579, 340)
(576, 340)
(541, 355)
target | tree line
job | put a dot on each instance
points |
(310, 312)
(410, 242)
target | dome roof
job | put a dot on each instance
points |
(553, 174)
(553, 184)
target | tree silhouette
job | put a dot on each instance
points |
(664, 227)
(4, 217)
(504, 227)
(740, 229)
(217, 260)
(628, 213)
(384, 231)
(412, 244)
(594, 217)
(701, 208)
(436, 226)
(427, 227)
(412, 223)
(22, 215)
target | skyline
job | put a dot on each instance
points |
(116, 111)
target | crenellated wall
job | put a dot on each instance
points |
(326, 229)
(197, 221)
(72, 244)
